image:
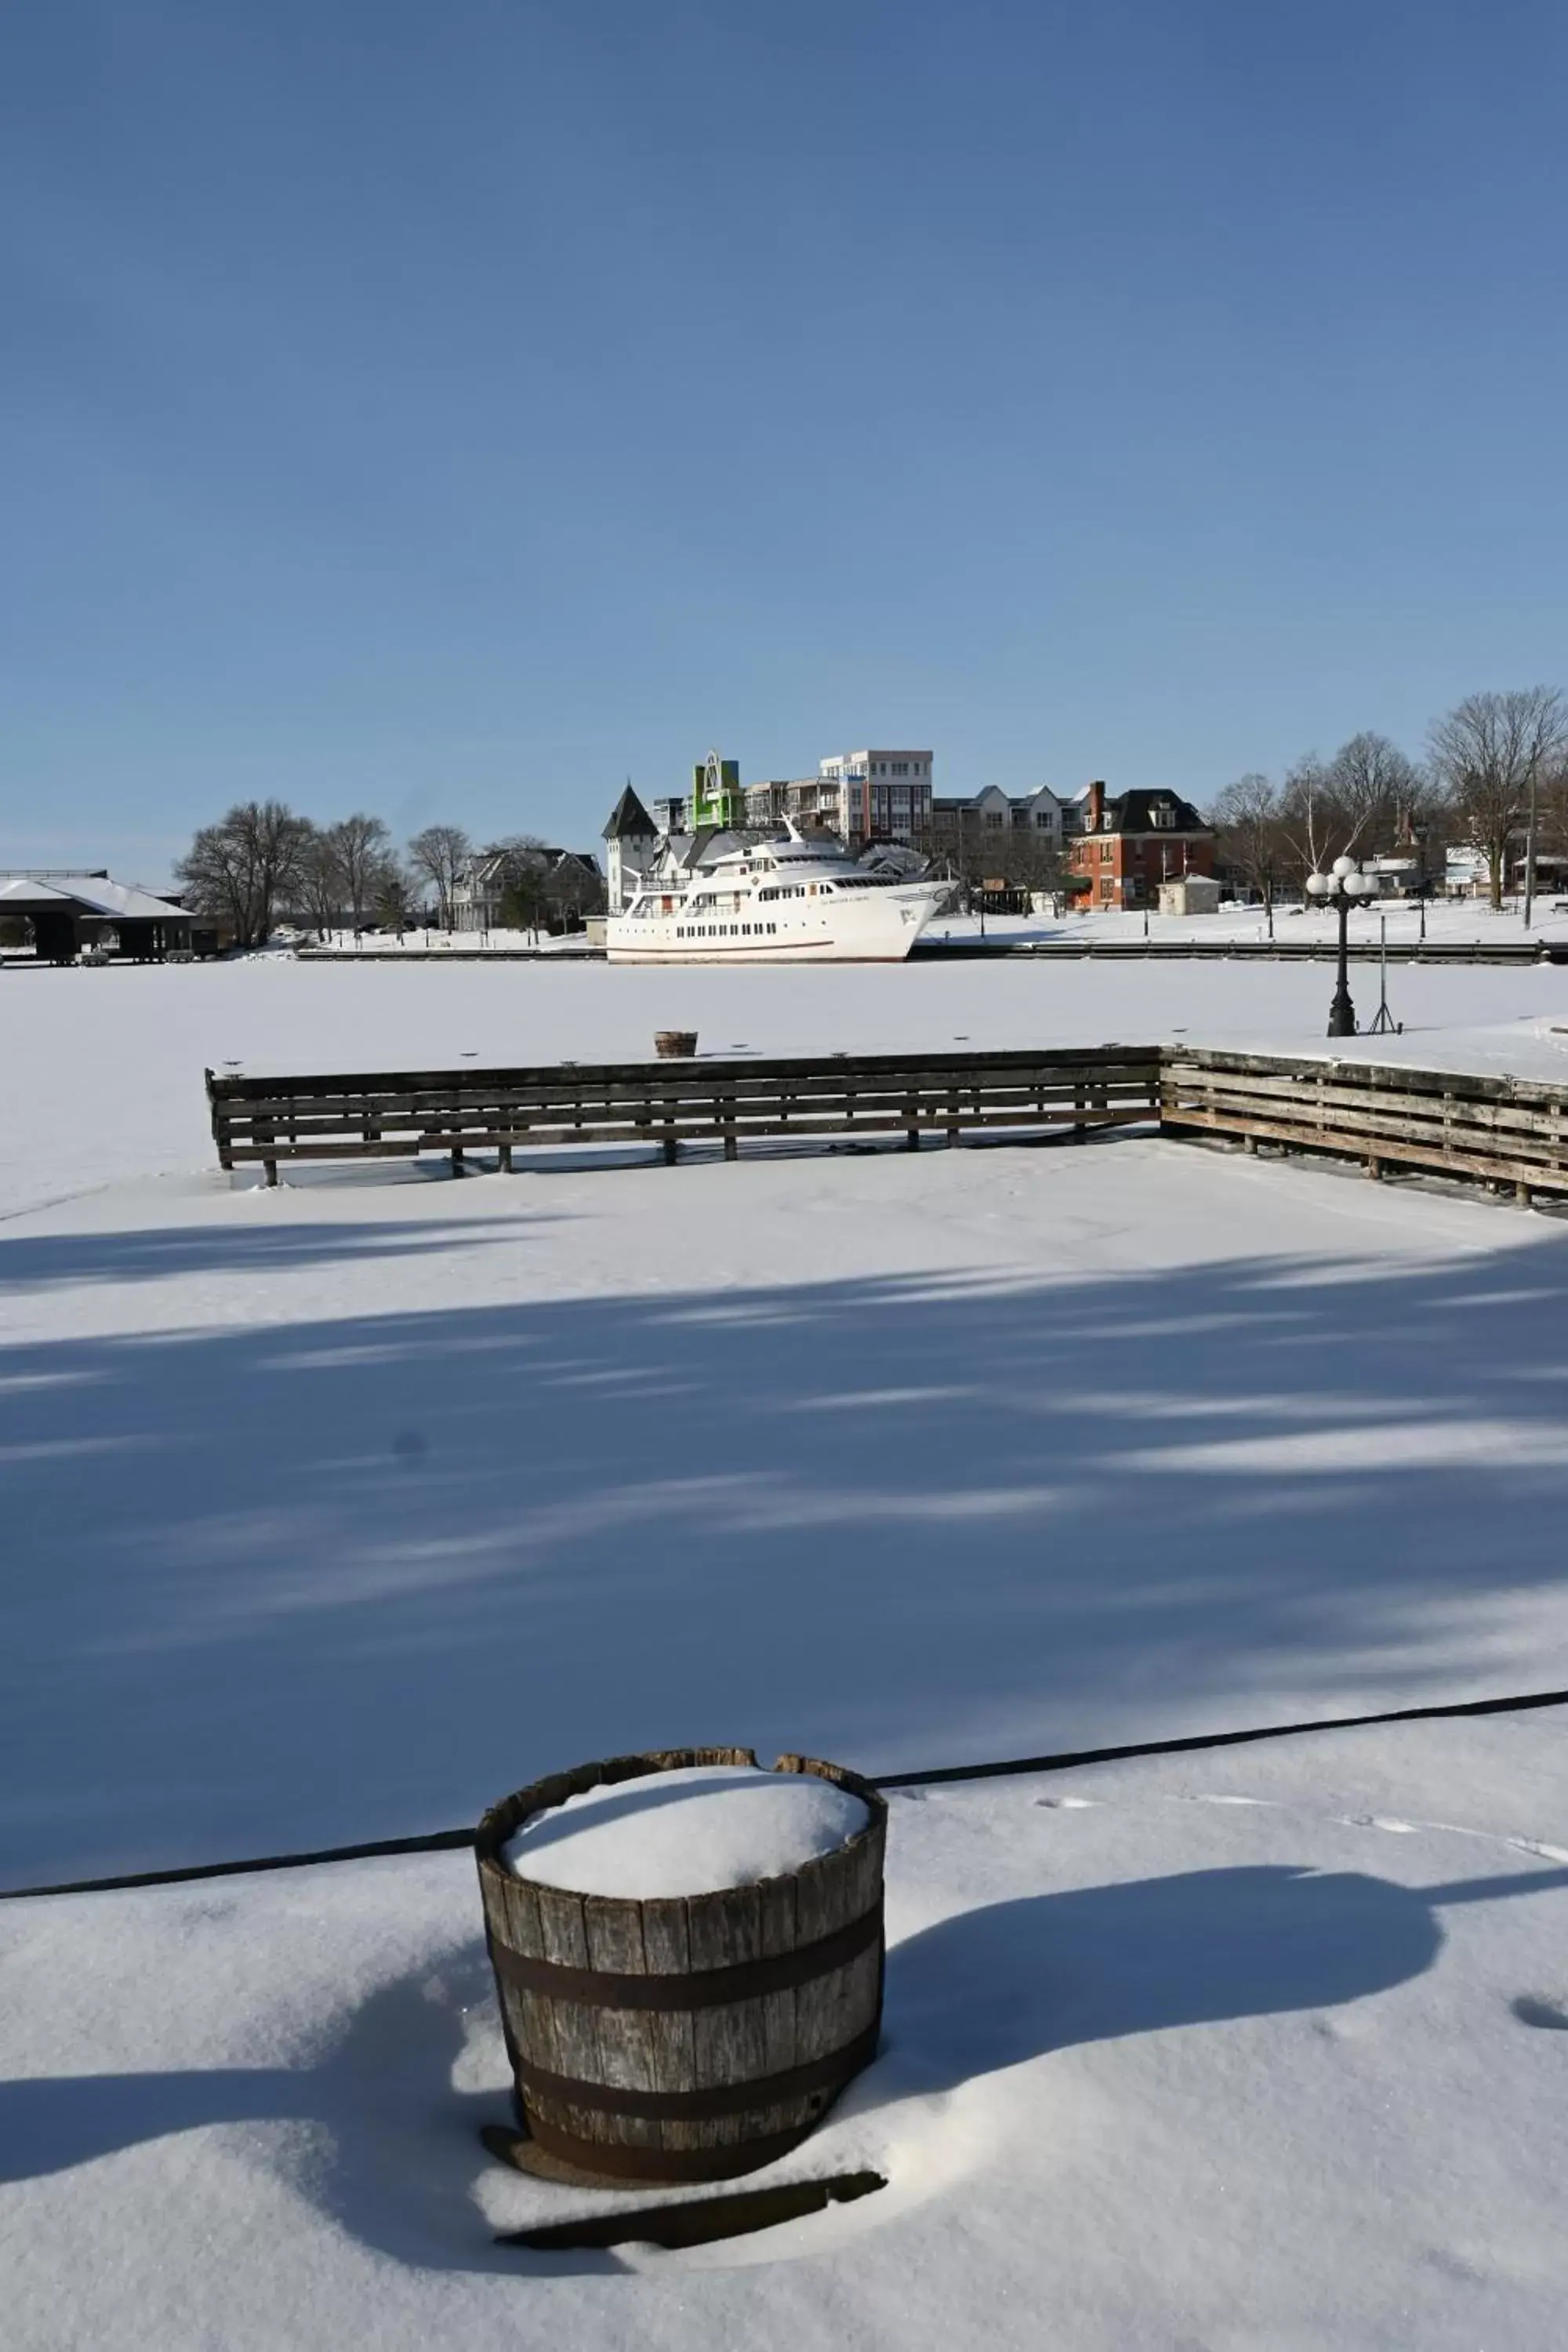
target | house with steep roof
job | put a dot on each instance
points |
(1133, 842)
(569, 880)
(632, 841)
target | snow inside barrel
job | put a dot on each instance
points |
(687, 1951)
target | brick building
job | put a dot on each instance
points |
(1132, 844)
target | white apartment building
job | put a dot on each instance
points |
(882, 795)
(871, 795)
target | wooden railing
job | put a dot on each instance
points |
(666, 1104)
(1498, 1129)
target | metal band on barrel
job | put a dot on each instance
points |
(665, 2163)
(704, 1987)
(700, 2107)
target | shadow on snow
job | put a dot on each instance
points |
(49, 1260)
(394, 2159)
(349, 1579)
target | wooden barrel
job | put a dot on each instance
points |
(690, 2038)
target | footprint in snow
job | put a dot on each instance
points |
(1531, 2009)
(1066, 1804)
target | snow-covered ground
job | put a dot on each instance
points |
(347, 1507)
(421, 942)
(1240, 2049)
(1458, 922)
(338, 1511)
(102, 1070)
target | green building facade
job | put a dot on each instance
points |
(716, 795)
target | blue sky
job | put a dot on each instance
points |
(451, 408)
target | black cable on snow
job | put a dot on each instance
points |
(1068, 1760)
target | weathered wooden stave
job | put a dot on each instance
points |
(694, 2086)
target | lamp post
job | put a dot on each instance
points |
(1343, 887)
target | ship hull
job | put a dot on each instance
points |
(880, 931)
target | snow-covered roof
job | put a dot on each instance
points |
(94, 891)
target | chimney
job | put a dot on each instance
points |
(1096, 804)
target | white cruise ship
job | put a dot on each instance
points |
(790, 901)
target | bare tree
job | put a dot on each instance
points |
(240, 871)
(317, 889)
(1363, 802)
(1307, 810)
(1376, 792)
(1021, 857)
(360, 849)
(438, 856)
(1494, 752)
(1250, 819)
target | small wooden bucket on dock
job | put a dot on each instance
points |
(690, 2038)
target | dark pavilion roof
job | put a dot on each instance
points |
(1134, 813)
(629, 821)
